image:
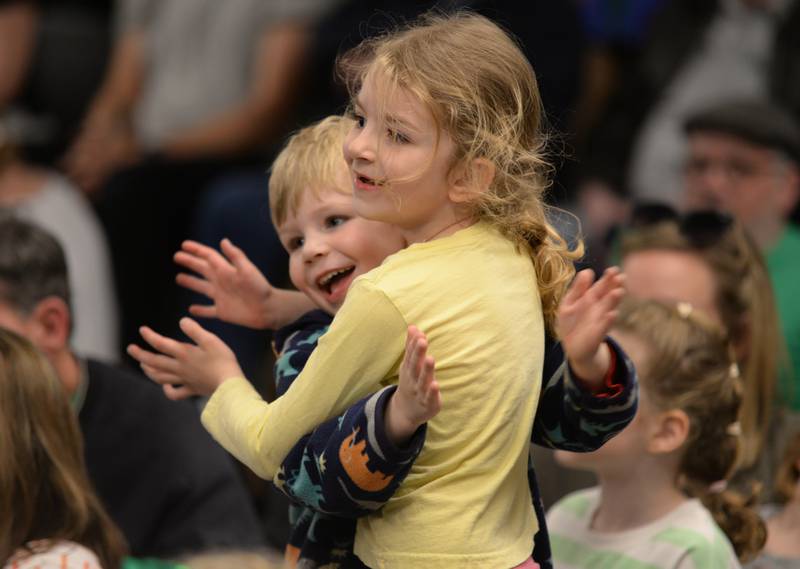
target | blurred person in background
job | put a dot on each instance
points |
(42, 196)
(194, 89)
(52, 56)
(695, 52)
(51, 515)
(167, 485)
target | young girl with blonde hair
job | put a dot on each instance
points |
(51, 516)
(662, 493)
(448, 148)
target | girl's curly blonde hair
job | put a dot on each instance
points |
(483, 93)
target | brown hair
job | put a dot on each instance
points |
(788, 472)
(44, 488)
(311, 160)
(745, 302)
(483, 92)
(688, 367)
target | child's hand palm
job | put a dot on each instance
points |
(418, 396)
(239, 291)
(185, 369)
(587, 312)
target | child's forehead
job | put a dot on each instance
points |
(318, 198)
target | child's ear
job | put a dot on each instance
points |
(471, 179)
(668, 432)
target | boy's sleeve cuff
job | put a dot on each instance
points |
(385, 447)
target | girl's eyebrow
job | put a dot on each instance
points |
(391, 120)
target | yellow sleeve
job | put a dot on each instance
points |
(363, 346)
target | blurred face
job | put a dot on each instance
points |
(752, 183)
(329, 246)
(399, 162)
(672, 276)
(620, 455)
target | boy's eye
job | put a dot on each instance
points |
(294, 243)
(335, 220)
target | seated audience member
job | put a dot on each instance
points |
(783, 517)
(744, 159)
(52, 202)
(166, 484)
(51, 515)
(194, 89)
(708, 260)
(662, 498)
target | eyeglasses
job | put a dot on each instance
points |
(701, 228)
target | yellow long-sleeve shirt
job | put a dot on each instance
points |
(466, 501)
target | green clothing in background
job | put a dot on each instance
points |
(783, 263)
(133, 563)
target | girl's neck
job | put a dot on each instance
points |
(636, 498)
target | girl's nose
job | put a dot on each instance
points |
(359, 145)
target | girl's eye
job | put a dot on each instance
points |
(360, 120)
(335, 220)
(396, 136)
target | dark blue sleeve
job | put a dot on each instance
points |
(347, 466)
(569, 417)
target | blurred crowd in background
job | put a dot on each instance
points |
(127, 127)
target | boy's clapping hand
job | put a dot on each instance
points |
(417, 399)
(585, 315)
(239, 291)
(184, 369)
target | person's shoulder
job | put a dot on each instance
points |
(58, 555)
(578, 504)
(121, 397)
(692, 528)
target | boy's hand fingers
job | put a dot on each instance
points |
(156, 361)
(161, 343)
(200, 335)
(201, 286)
(236, 256)
(607, 282)
(583, 280)
(191, 262)
(177, 392)
(158, 375)
(203, 310)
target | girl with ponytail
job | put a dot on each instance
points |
(662, 499)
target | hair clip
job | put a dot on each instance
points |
(734, 429)
(684, 309)
(718, 487)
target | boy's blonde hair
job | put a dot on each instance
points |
(483, 92)
(746, 305)
(311, 160)
(688, 366)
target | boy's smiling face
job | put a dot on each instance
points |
(329, 246)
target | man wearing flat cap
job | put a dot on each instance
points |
(744, 159)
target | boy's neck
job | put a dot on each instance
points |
(637, 498)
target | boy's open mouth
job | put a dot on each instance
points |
(328, 281)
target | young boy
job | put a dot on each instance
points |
(351, 465)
